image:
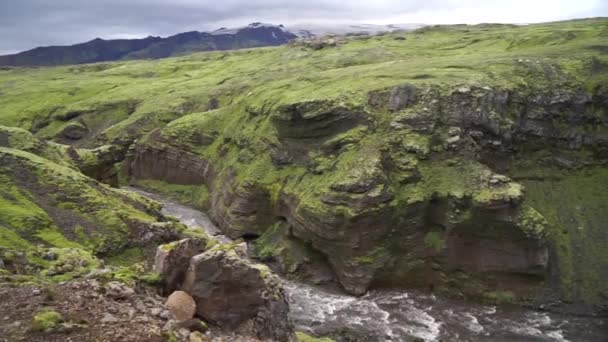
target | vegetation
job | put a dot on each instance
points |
(46, 320)
(499, 297)
(303, 337)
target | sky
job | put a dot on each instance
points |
(25, 24)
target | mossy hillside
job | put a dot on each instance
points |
(126, 94)
(53, 204)
(22, 139)
(93, 162)
(574, 205)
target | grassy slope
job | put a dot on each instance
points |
(167, 89)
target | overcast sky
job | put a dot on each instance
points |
(25, 24)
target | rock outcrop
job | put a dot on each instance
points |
(172, 261)
(417, 201)
(238, 295)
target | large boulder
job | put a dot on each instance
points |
(172, 261)
(236, 294)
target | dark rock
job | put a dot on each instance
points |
(75, 131)
(401, 97)
(238, 295)
(172, 260)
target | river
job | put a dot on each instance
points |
(409, 315)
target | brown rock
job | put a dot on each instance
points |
(172, 261)
(235, 294)
(181, 305)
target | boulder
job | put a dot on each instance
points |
(238, 295)
(401, 97)
(172, 260)
(181, 305)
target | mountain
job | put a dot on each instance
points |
(100, 50)
(312, 30)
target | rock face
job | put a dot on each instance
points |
(417, 206)
(237, 295)
(172, 260)
(410, 185)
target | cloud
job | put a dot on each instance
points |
(25, 24)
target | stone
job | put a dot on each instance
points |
(75, 131)
(453, 140)
(172, 260)
(109, 318)
(197, 337)
(118, 290)
(401, 97)
(499, 179)
(49, 256)
(236, 294)
(454, 131)
(181, 305)
(156, 312)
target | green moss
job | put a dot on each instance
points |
(46, 320)
(169, 246)
(170, 336)
(499, 297)
(372, 257)
(86, 202)
(574, 206)
(194, 195)
(303, 337)
(55, 238)
(127, 257)
(532, 222)
(434, 241)
(69, 263)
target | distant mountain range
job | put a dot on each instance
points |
(252, 35)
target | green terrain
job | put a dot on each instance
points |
(471, 160)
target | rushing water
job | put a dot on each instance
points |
(409, 316)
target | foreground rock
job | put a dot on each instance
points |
(181, 305)
(172, 260)
(235, 294)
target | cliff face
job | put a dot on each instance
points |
(473, 170)
(408, 189)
